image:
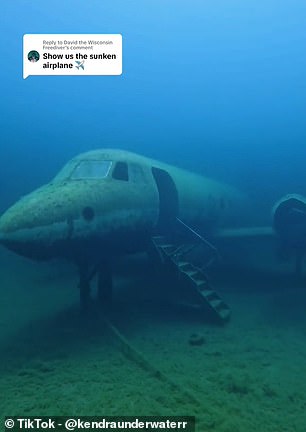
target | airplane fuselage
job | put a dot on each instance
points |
(112, 201)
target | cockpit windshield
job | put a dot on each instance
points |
(91, 169)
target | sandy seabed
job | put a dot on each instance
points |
(248, 375)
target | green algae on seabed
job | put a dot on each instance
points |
(247, 376)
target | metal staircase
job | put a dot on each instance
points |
(184, 257)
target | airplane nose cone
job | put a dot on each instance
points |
(36, 223)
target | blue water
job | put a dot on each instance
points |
(216, 87)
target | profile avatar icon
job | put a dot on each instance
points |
(33, 56)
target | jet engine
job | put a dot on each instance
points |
(289, 221)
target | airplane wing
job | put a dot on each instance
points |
(288, 229)
(288, 224)
(247, 232)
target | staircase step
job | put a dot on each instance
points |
(157, 240)
(208, 293)
(168, 249)
(191, 273)
(196, 277)
(201, 284)
(198, 280)
(224, 313)
(216, 303)
(183, 264)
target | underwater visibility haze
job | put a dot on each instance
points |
(167, 272)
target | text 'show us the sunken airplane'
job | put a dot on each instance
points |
(72, 54)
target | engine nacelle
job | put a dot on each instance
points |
(289, 221)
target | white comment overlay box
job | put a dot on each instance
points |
(72, 54)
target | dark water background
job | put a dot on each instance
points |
(217, 87)
(214, 86)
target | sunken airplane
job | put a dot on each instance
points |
(110, 202)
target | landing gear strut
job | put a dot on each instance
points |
(104, 283)
(84, 286)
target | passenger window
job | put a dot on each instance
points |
(91, 170)
(120, 171)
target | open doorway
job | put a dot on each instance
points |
(168, 199)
